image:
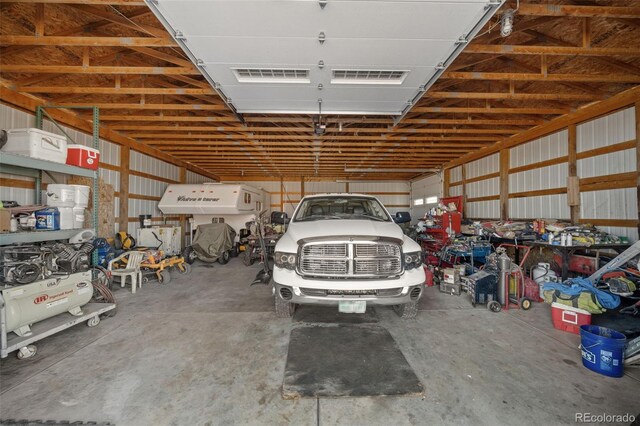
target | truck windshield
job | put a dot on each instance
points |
(336, 207)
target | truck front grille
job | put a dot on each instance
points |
(370, 259)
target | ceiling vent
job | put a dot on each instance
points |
(275, 75)
(368, 76)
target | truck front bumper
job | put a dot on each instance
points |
(309, 296)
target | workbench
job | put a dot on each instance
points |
(567, 251)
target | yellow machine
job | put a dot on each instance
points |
(155, 261)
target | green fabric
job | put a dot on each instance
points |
(585, 300)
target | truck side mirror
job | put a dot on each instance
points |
(280, 218)
(402, 217)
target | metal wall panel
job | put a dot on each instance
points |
(483, 166)
(609, 204)
(608, 164)
(194, 178)
(542, 207)
(607, 130)
(146, 164)
(483, 188)
(455, 175)
(542, 149)
(455, 191)
(539, 179)
(483, 209)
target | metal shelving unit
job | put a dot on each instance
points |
(33, 167)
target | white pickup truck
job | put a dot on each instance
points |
(345, 250)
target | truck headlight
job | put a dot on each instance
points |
(412, 260)
(285, 260)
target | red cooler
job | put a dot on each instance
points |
(568, 318)
(83, 156)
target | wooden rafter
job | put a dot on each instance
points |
(150, 93)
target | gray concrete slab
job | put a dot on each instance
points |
(207, 349)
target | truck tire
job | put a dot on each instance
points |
(284, 309)
(407, 311)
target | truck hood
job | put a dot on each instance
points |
(341, 229)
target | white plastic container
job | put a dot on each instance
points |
(66, 217)
(81, 195)
(61, 195)
(78, 217)
(36, 143)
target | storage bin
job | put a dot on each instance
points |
(83, 156)
(36, 143)
(66, 217)
(61, 195)
(78, 217)
(568, 318)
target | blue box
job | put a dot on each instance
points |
(48, 219)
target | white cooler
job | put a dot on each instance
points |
(36, 143)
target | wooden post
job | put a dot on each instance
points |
(346, 187)
(638, 158)
(573, 171)
(446, 182)
(504, 184)
(281, 195)
(123, 211)
(464, 183)
(183, 218)
(301, 187)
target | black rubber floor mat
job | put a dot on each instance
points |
(330, 314)
(346, 360)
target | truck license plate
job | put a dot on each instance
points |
(352, 307)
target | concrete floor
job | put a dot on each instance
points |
(207, 349)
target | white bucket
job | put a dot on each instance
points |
(66, 217)
(60, 195)
(78, 217)
(81, 196)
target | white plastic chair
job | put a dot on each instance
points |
(132, 260)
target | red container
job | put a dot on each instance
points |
(83, 156)
(429, 276)
(568, 318)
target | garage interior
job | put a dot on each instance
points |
(487, 122)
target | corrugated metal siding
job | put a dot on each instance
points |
(483, 166)
(538, 179)
(483, 188)
(542, 207)
(614, 203)
(455, 175)
(455, 191)
(608, 164)
(194, 178)
(482, 209)
(607, 130)
(545, 148)
(146, 164)
(609, 204)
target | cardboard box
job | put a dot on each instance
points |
(5, 221)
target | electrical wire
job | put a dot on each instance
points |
(497, 23)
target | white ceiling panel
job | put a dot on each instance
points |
(341, 19)
(421, 37)
(340, 93)
(343, 52)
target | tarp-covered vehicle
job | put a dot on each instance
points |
(213, 241)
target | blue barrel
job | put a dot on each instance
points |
(602, 350)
